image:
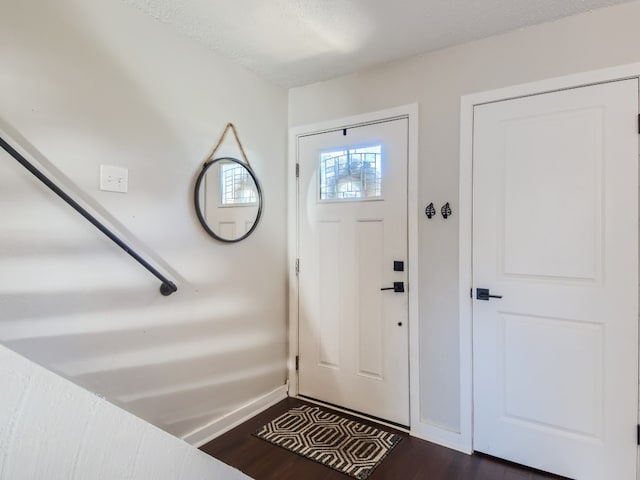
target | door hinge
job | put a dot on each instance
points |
(639, 123)
(297, 362)
(638, 432)
(297, 170)
(471, 293)
(297, 266)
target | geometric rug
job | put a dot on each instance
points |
(345, 445)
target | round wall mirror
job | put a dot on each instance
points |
(228, 199)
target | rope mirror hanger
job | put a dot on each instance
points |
(227, 195)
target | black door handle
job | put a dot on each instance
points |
(398, 287)
(483, 294)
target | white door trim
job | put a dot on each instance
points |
(467, 104)
(405, 111)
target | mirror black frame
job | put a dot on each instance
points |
(197, 197)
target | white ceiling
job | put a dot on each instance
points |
(296, 42)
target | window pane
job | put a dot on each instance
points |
(236, 185)
(351, 173)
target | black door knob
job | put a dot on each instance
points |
(484, 294)
(398, 287)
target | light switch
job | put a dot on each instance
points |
(114, 179)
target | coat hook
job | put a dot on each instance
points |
(430, 211)
(445, 210)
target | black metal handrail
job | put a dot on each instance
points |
(167, 287)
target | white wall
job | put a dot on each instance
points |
(90, 83)
(585, 42)
(53, 429)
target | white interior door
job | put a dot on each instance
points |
(555, 233)
(353, 343)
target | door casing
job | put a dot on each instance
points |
(406, 111)
(468, 102)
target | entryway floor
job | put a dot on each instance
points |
(412, 459)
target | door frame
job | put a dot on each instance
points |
(411, 113)
(467, 105)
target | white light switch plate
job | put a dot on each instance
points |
(114, 179)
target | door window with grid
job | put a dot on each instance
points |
(352, 173)
(236, 185)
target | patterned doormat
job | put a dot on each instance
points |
(345, 445)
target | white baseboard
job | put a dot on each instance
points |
(205, 434)
(443, 437)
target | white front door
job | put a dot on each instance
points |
(555, 234)
(352, 219)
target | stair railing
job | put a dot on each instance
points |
(167, 287)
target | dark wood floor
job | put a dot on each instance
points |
(412, 459)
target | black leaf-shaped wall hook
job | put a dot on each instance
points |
(445, 210)
(430, 211)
